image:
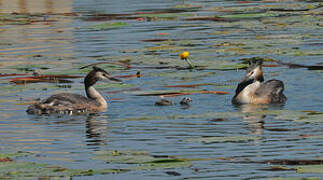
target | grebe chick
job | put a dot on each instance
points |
(67, 103)
(164, 102)
(252, 90)
(185, 101)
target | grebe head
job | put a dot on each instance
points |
(253, 74)
(254, 71)
(98, 74)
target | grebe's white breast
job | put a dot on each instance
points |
(248, 93)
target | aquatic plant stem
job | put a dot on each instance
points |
(189, 63)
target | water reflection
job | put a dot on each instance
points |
(96, 129)
(42, 36)
(255, 121)
(35, 6)
(255, 115)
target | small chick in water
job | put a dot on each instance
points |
(186, 101)
(164, 102)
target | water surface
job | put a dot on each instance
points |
(60, 41)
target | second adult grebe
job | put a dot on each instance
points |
(252, 90)
(67, 103)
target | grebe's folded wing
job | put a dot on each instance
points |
(272, 89)
(66, 98)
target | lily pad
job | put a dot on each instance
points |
(315, 169)
(295, 178)
(107, 26)
(165, 15)
(31, 169)
(13, 155)
(208, 140)
(164, 164)
(142, 160)
(249, 15)
(124, 157)
(300, 116)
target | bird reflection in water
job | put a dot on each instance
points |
(255, 120)
(96, 129)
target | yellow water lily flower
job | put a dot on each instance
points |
(184, 55)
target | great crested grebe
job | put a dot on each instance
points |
(67, 103)
(252, 90)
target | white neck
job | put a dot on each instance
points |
(92, 93)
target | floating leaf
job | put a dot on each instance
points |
(316, 169)
(165, 15)
(249, 15)
(13, 155)
(125, 157)
(187, 6)
(44, 78)
(107, 26)
(295, 178)
(208, 140)
(31, 169)
(137, 75)
(300, 116)
(295, 161)
(164, 164)
(278, 168)
(208, 18)
(189, 85)
(14, 74)
(142, 160)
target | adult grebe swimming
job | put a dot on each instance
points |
(67, 103)
(252, 90)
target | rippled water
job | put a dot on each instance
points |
(133, 122)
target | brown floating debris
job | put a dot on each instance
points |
(172, 94)
(44, 78)
(157, 40)
(278, 168)
(172, 173)
(294, 162)
(137, 75)
(288, 10)
(287, 161)
(271, 65)
(212, 92)
(13, 74)
(209, 18)
(5, 159)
